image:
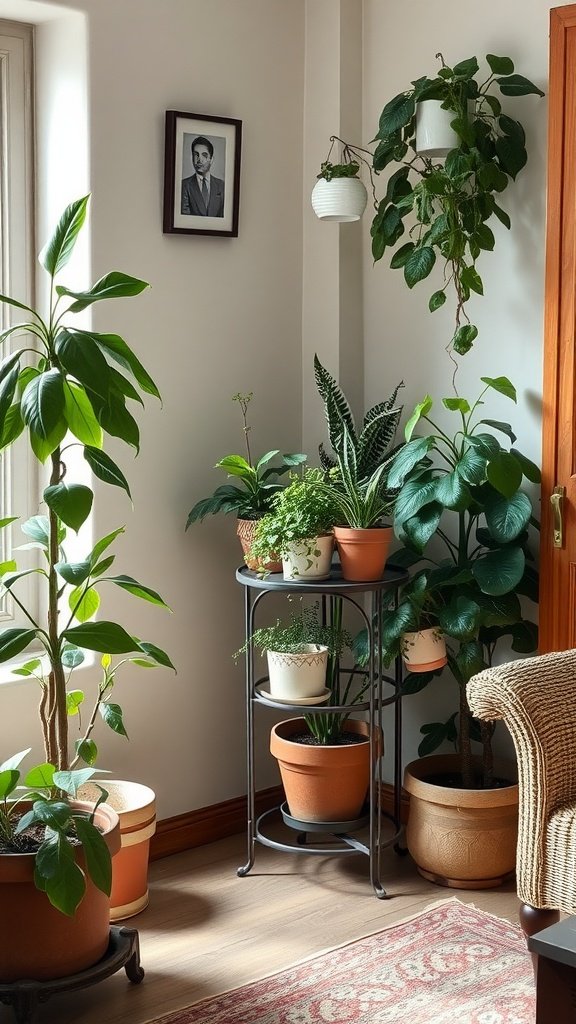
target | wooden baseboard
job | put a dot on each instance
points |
(208, 824)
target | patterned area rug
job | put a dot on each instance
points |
(452, 964)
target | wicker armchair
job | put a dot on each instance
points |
(536, 698)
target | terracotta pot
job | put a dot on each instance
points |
(135, 806)
(299, 674)
(38, 941)
(425, 650)
(246, 529)
(308, 559)
(322, 783)
(363, 553)
(461, 838)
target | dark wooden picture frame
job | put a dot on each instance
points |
(187, 210)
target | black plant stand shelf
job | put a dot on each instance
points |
(324, 838)
(123, 950)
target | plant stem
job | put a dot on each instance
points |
(56, 680)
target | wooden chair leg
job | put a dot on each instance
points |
(533, 920)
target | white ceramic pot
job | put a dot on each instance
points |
(341, 199)
(434, 136)
(308, 559)
(298, 675)
(425, 650)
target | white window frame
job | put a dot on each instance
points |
(19, 471)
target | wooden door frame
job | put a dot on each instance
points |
(558, 580)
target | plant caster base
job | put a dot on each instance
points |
(466, 883)
(25, 997)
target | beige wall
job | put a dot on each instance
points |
(247, 314)
(223, 315)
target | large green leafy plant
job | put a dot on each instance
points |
(68, 389)
(449, 204)
(465, 519)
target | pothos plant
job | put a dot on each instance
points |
(465, 518)
(68, 389)
(449, 204)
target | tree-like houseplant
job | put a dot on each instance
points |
(449, 204)
(463, 512)
(251, 497)
(299, 528)
(64, 388)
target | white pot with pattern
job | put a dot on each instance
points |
(309, 559)
(298, 675)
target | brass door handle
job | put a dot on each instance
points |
(556, 500)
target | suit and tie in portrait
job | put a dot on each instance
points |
(193, 202)
(202, 193)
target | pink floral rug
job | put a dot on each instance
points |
(452, 964)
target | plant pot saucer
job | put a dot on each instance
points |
(320, 699)
(334, 827)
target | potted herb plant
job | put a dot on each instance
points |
(251, 498)
(461, 493)
(299, 528)
(449, 204)
(55, 862)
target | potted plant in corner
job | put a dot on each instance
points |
(356, 480)
(449, 204)
(55, 862)
(463, 511)
(299, 528)
(251, 498)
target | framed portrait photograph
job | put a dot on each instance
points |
(201, 174)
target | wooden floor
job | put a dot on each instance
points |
(206, 930)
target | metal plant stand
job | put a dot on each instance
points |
(25, 997)
(321, 838)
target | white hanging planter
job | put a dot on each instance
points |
(308, 559)
(298, 675)
(340, 199)
(434, 136)
(425, 650)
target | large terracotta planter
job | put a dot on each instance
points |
(135, 806)
(363, 553)
(425, 650)
(245, 530)
(322, 783)
(39, 942)
(461, 838)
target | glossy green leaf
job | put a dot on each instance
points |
(105, 469)
(103, 636)
(529, 468)
(84, 606)
(12, 426)
(43, 447)
(71, 780)
(14, 641)
(97, 854)
(103, 565)
(517, 85)
(115, 418)
(502, 385)
(420, 528)
(464, 338)
(499, 65)
(500, 571)
(470, 659)
(407, 458)
(401, 255)
(9, 778)
(436, 301)
(66, 888)
(74, 573)
(74, 700)
(452, 492)
(29, 668)
(87, 750)
(456, 404)
(41, 776)
(396, 114)
(486, 444)
(81, 357)
(80, 415)
(525, 637)
(435, 735)
(57, 251)
(507, 517)
(112, 715)
(72, 503)
(137, 589)
(116, 347)
(42, 403)
(472, 466)
(104, 543)
(471, 279)
(419, 265)
(112, 286)
(72, 656)
(156, 653)
(422, 409)
(504, 473)
(461, 618)
(504, 428)
(413, 496)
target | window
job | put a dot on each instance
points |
(18, 475)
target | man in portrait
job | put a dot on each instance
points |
(202, 192)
